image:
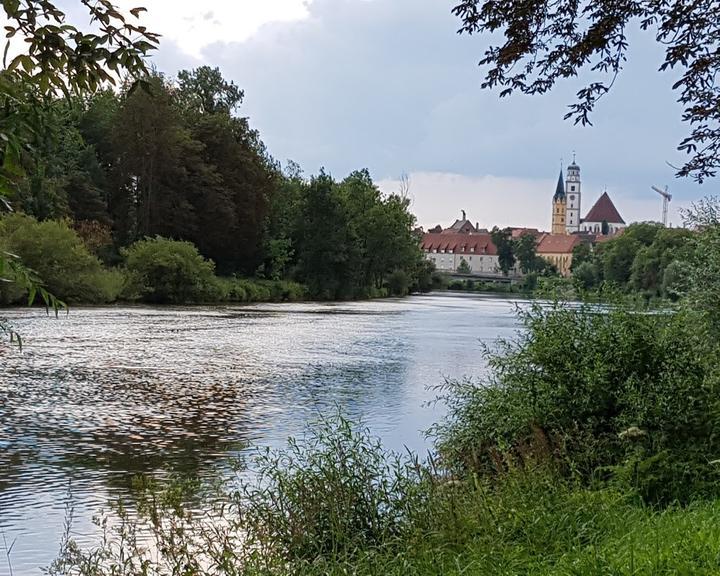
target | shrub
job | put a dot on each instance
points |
(424, 276)
(594, 391)
(169, 271)
(334, 493)
(61, 260)
(231, 290)
(439, 281)
(398, 282)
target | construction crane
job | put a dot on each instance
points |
(666, 200)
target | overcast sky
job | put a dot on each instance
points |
(389, 85)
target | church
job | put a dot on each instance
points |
(602, 219)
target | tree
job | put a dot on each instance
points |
(581, 253)
(464, 267)
(155, 159)
(205, 90)
(544, 43)
(525, 252)
(55, 56)
(504, 245)
(618, 257)
(325, 241)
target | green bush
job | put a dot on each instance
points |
(334, 493)
(601, 394)
(231, 290)
(249, 290)
(398, 283)
(61, 260)
(169, 271)
(439, 281)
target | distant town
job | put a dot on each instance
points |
(465, 247)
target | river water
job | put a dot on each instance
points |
(103, 394)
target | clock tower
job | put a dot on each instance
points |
(572, 195)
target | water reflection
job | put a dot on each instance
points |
(105, 393)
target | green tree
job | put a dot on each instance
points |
(204, 90)
(618, 257)
(585, 275)
(581, 253)
(524, 249)
(155, 158)
(543, 43)
(464, 267)
(326, 241)
(504, 245)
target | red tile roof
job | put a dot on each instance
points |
(557, 244)
(459, 243)
(604, 210)
(518, 232)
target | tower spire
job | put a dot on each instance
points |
(560, 188)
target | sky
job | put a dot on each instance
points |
(390, 86)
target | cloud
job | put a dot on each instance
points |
(389, 85)
(438, 198)
(193, 25)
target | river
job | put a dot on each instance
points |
(103, 394)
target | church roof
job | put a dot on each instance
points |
(604, 211)
(560, 188)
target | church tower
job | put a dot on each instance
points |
(559, 203)
(572, 194)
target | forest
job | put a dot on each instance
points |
(161, 191)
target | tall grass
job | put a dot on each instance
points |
(336, 502)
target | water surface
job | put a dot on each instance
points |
(103, 394)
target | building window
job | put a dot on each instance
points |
(572, 189)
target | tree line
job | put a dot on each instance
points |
(172, 158)
(646, 259)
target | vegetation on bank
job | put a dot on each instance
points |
(588, 448)
(155, 270)
(172, 159)
(646, 259)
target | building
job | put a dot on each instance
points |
(462, 241)
(558, 250)
(602, 219)
(559, 211)
(572, 191)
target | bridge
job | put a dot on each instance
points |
(487, 277)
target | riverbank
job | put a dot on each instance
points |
(51, 256)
